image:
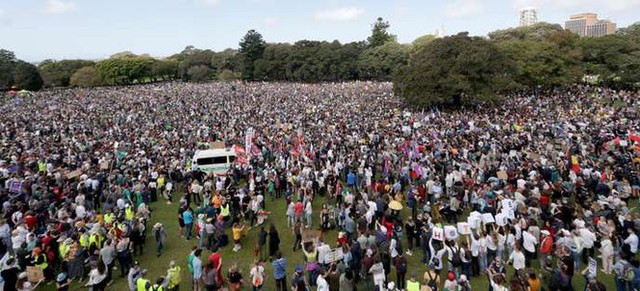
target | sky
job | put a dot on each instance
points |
(94, 29)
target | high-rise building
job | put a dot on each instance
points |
(528, 16)
(601, 28)
(587, 24)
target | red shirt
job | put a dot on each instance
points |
(297, 208)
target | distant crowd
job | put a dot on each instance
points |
(547, 183)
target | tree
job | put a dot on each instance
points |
(227, 76)
(125, 68)
(199, 73)
(26, 76)
(85, 77)
(422, 41)
(8, 64)
(379, 34)
(614, 58)
(252, 47)
(540, 63)
(165, 69)
(273, 65)
(536, 32)
(58, 73)
(453, 70)
(381, 62)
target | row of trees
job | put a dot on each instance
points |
(428, 71)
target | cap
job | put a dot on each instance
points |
(298, 268)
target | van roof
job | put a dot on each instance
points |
(214, 153)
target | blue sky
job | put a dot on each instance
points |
(94, 29)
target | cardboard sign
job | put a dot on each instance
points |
(74, 174)
(507, 204)
(438, 233)
(104, 166)
(34, 274)
(464, 228)
(217, 145)
(487, 218)
(502, 175)
(450, 232)
(309, 235)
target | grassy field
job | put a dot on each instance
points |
(177, 249)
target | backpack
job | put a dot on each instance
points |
(432, 282)
(456, 260)
(402, 266)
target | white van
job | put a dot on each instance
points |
(216, 161)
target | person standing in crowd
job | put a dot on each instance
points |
(280, 272)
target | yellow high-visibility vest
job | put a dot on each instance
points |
(128, 213)
(142, 284)
(44, 264)
(224, 211)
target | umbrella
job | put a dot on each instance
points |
(395, 205)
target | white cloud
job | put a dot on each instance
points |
(58, 6)
(209, 2)
(464, 8)
(271, 21)
(340, 14)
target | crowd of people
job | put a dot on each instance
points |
(82, 169)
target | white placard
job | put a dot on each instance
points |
(501, 220)
(464, 228)
(450, 232)
(474, 222)
(487, 218)
(593, 266)
(438, 233)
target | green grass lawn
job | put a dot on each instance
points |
(177, 249)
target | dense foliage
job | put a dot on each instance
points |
(428, 71)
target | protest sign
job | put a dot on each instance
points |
(438, 233)
(487, 218)
(502, 175)
(593, 266)
(501, 220)
(450, 232)
(34, 274)
(15, 187)
(311, 235)
(334, 256)
(464, 228)
(474, 222)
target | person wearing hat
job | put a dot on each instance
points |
(160, 236)
(62, 282)
(546, 245)
(142, 283)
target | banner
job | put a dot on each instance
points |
(248, 140)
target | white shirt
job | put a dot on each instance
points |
(529, 242)
(588, 238)
(632, 241)
(518, 260)
(322, 283)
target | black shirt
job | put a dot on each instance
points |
(10, 277)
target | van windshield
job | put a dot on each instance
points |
(212, 161)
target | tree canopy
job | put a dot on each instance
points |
(379, 33)
(252, 48)
(453, 70)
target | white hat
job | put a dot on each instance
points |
(545, 232)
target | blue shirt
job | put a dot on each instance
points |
(351, 178)
(279, 268)
(187, 216)
(197, 268)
